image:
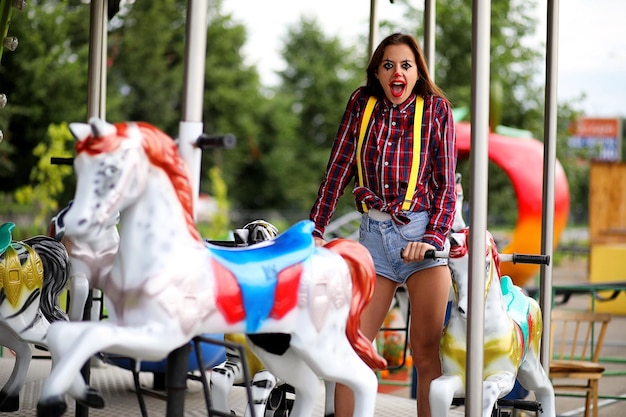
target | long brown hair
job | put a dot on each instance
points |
(425, 85)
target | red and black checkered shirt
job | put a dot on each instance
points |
(387, 155)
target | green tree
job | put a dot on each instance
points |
(146, 63)
(321, 74)
(234, 102)
(46, 180)
(45, 80)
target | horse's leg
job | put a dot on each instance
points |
(71, 344)
(263, 383)
(442, 391)
(329, 398)
(533, 377)
(334, 359)
(494, 387)
(78, 286)
(10, 394)
(223, 376)
(290, 368)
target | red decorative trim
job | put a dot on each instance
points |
(286, 297)
(228, 295)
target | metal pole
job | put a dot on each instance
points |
(96, 107)
(549, 163)
(96, 89)
(373, 38)
(190, 128)
(481, 31)
(429, 35)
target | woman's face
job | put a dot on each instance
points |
(397, 72)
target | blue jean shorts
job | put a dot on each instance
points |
(385, 239)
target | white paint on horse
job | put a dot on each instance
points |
(506, 356)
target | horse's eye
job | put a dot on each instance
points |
(110, 170)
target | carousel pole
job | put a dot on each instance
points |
(481, 32)
(190, 128)
(96, 107)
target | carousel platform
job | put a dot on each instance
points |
(117, 387)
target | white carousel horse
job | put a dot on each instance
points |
(91, 261)
(33, 273)
(167, 287)
(512, 333)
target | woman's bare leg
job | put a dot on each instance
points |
(428, 294)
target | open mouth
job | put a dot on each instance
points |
(397, 88)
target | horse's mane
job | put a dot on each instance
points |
(462, 250)
(162, 152)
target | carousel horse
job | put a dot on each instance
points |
(299, 304)
(33, 273)
(512, 333)
(91, 261)
(268, 394)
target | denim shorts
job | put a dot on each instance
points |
(385, 239)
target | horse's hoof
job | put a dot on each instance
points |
(92, 399)
(9, 403)
(51, 407)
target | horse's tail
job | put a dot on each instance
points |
(363, 276)
(56, 270)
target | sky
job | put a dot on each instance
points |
(592, 41)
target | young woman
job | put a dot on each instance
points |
(402, 154)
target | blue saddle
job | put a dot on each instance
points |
(517, 305)
(256, 267)
(6, 236)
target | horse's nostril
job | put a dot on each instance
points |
(82, 222)
(461, 310)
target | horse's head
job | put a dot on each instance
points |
(111, 170)
(459, 266)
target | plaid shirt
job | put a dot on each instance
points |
(387, 159)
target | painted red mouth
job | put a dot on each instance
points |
(397, 88)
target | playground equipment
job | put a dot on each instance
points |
(32, 275)
(512, 329)
(167, 287)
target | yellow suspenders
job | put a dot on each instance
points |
(417, 141)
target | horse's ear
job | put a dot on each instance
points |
(101, 128)
(80, 131)
(457, 239)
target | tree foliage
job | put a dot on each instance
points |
(320, 75)
(45, 80)
(284, 133)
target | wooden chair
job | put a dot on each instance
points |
(575, 344)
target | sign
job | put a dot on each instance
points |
(601, 137)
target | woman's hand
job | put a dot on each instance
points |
(414, 251)
(319, 241)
